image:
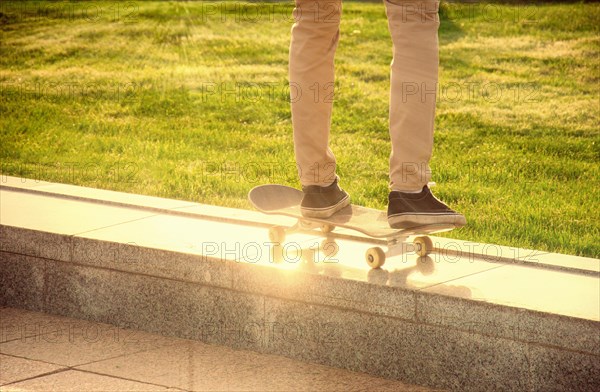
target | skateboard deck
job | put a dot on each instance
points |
(283, 200)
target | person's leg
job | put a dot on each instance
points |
(413, 25)
(315, 36)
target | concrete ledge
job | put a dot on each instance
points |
(458, 320)
(447, 248)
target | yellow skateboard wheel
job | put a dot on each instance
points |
(375, 257)
(423, 246)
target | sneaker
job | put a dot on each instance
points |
(407, 210)
(323, 201)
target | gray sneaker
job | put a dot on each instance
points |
(322, 202)
(407, 210)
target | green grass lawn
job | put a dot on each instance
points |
(189, 100)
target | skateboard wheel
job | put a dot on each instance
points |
(375, 257)
(277, 234)
(326, 228)
(423, 246)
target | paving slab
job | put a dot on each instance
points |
(448, 247)
(191, 365)
(59, 215)
(219, 240)
(13, 369)
(77, 381)
(186, 364)
(21, 182)
(104, 196)
(569, 263)
(218, 213)
(489, 252)
(71, 342)
(21, 324)
(82, 193)
(150, 203)
(539, 289)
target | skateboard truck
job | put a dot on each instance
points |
(278, 233)
(375, 256)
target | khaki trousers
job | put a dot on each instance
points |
(413, 25)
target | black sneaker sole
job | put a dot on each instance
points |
(324, 213)
(407, 221)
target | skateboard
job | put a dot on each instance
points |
(283, 200)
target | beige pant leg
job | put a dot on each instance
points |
(315, 36)
(413, 25)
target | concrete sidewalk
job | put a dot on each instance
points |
(41, 352)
